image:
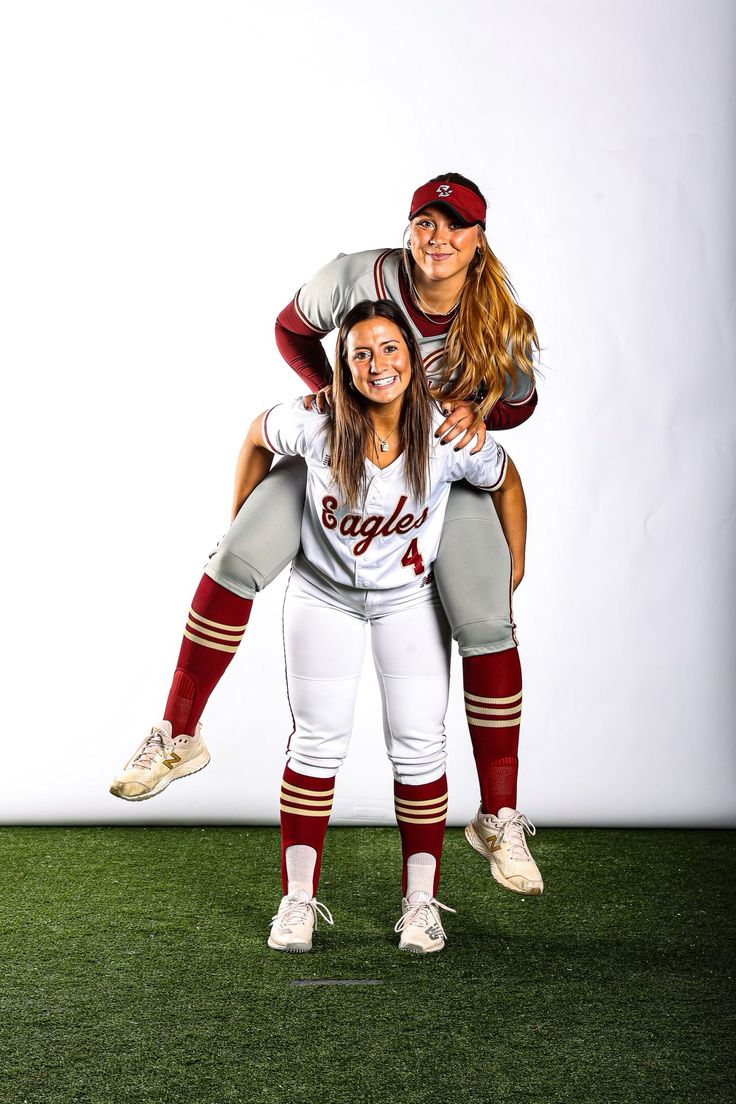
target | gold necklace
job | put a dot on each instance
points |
(418, 299)
(444, 314)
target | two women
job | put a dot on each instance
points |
(477, 346)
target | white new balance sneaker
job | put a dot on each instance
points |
(293, 924)
(501, 840)
(159, 760)
(420, 925)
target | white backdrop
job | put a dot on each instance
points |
(172, 172)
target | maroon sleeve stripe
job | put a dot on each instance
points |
(433, 357)
(504, 467)
(378, 275)
(520, 402)
(299, 313)
(264, 430)
(505, 415)
(494, 486)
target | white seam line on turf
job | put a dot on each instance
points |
(341, 981)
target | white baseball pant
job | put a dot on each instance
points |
(324, 640)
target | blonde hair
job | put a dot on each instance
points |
(492, 339)
(350, 431)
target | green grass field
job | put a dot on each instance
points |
(134, 968)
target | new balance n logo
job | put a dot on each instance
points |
(172, 760)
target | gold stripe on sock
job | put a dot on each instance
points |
(480, 711)
(304, 812)
(416, 814)
(429, 801)
(217, 624)
(316, 802)
(209, 643)
(492, 701)
(480, 723)
(295, 789)
(231, 638)
(412, 820)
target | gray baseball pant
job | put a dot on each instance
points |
(472, 569)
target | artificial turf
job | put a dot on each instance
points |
(135, 969)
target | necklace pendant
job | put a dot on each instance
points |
(384, 444)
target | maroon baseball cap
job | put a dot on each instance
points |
(462, 201)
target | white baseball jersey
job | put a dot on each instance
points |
(392, 539)
(323, 302)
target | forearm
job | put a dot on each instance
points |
(301, 349)
(508, 415)
(254, 464)
(510, 506)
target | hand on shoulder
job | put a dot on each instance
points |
(462, 425)
(320, 401)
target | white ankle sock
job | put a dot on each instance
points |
(300, 863)
(420, 870)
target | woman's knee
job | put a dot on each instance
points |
(264, 537)
(234, 573)
(484, 637)
(414, 773)
(417, 756)
(308, 758)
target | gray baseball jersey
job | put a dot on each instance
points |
(323, 302)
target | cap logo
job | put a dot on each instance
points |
(444, 190)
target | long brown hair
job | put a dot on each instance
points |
(491, 338)
(351, 433)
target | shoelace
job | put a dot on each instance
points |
(296, 912)
(423, 914)
(150, 750)
(513, 834)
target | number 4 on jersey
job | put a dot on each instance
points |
(413, 558)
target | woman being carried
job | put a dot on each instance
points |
(377, 486)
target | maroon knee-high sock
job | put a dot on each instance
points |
(421, 812)
(215, 626)
(306, 804)
(493, 709)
